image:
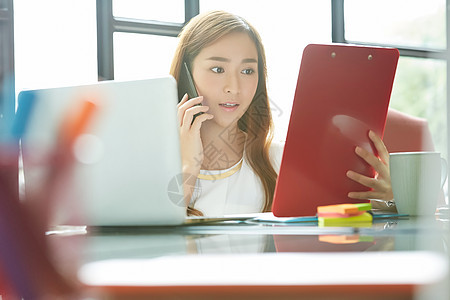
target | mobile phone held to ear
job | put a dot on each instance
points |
(186, 85)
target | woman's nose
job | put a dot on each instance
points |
(231, 85)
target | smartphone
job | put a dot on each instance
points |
(186, 85)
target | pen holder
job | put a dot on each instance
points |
(49, 186)
(9, 169)
(25, 261)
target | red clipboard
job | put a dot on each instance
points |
(342, 92)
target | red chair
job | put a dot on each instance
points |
(405, 133)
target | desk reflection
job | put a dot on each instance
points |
(153, 243)
(391, 235)
(109, 257)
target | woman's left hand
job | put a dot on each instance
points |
(380, 185)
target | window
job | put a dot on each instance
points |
(418, 29)
(136, 56)
(420, 90)
(132, 34)
(419, 24)
(148, 54)
(165, 11)
(55, 43)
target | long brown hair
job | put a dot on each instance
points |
(204, 30)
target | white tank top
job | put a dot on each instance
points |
(236, 190)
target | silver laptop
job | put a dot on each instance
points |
(128, 164)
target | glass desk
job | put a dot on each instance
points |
(397, 258)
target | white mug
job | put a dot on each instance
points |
(417, 179)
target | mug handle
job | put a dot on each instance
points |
(444, 171)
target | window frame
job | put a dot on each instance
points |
(338, 36)
(107, 24)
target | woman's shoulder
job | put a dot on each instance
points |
(277, 145)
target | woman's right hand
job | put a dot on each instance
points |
(191, 143)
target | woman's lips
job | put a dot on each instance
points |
(229, 106)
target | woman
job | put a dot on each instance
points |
(229, 160)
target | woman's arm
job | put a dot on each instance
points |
(380, 185)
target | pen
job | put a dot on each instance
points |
(22, 117)
(75, 123)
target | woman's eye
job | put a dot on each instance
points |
(217, 70)
(248, 71)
